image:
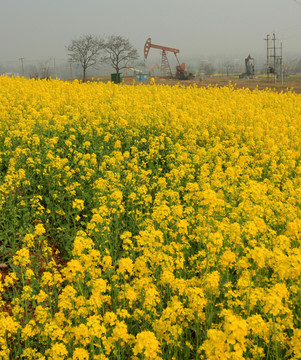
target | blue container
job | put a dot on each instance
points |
(141, 77)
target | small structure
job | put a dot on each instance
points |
(141, 77)
(116, 78)
(250, 68)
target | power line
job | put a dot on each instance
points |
(274, 60)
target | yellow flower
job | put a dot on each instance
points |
(57, 351)
(28, 240)
(82, 334)
(212, 281)
(125, 265)
(80, 354)
(215, 346)
(78, 204)
(181, 206)
(73, 270)
(39, 230)
(147, 345)
(22, 257)
(120, 332)
(227, 259)
(295, 344)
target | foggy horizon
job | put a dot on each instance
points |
(201, 30)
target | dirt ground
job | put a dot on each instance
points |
(292, 83)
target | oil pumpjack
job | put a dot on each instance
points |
(181, 73)
(250, 68)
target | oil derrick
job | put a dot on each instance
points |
(165, 68)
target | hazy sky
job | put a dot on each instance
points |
(39, 29)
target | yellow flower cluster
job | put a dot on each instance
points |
(149, 222)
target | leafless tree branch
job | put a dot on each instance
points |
(119, 52)
(86, 51)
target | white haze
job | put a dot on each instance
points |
(202, 30)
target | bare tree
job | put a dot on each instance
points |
(45, 69)
(209, 69)
(42, 71)
(85, 51)
(119, 53)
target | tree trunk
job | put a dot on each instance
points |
(117, 73)
(84, 74)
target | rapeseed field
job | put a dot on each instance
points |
(149, 222)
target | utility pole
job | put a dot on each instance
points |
(274, 61)
(274, 56)
(54, 68)
(268, 57)
(22, 62)
(281, 65)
